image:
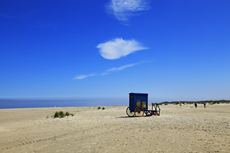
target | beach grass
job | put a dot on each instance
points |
(61, 114)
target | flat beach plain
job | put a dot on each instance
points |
(177, 129)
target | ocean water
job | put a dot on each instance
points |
(38, 103)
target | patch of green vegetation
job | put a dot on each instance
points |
(61, 114)
(211, 102)
(56, 114)
(67, 114)
(98, 107)
(215, 102)
(103, 108)
(179, 103)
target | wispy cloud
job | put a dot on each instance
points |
(79, 77)
(123, 9)
(121, 68)
(118, 48)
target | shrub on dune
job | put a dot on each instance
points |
(67, 114)
(179, 103)
(56, 114)
(61, 114)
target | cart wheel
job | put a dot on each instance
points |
(139, 112)
(129, 112)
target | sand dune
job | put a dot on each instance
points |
(178, 129)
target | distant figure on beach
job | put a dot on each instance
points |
(195, 105)
(204, 105)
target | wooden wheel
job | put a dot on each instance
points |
(129, 112)
(139, 112)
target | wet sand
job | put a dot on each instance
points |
(178, 129)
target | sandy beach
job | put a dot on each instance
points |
(177, 129)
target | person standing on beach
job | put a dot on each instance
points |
(195, 105)
(204, 105)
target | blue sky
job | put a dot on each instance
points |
(170, 49)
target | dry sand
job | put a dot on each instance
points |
(178, 129)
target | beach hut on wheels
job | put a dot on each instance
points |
(138, 105)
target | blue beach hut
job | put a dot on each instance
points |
(138, 100)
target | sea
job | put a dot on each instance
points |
(39, 103)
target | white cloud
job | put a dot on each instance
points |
(79, 77)
(111, 70)
(122, 9)
(118, 48)
(121, 67)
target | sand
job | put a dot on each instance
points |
(178, 129)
